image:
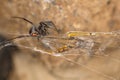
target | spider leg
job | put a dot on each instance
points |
(42, 29)
(33, 29)
(21, 36)
(53, 25)
(7, 41)
(49, 24)
(33, 25)
(24, 19)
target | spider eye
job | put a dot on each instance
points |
(34, 34)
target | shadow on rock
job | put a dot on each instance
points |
(6, 64)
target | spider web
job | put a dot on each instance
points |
(87, 55)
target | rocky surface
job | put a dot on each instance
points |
(68, 15)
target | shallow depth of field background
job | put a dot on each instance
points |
(68, 15)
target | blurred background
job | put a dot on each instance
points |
(68, 15)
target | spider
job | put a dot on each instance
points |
(35, 31)
(40, 30)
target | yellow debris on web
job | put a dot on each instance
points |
(61, 49)
(81, 33)
(77, 33)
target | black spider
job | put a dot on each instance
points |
(35, 31)
(41, 29)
